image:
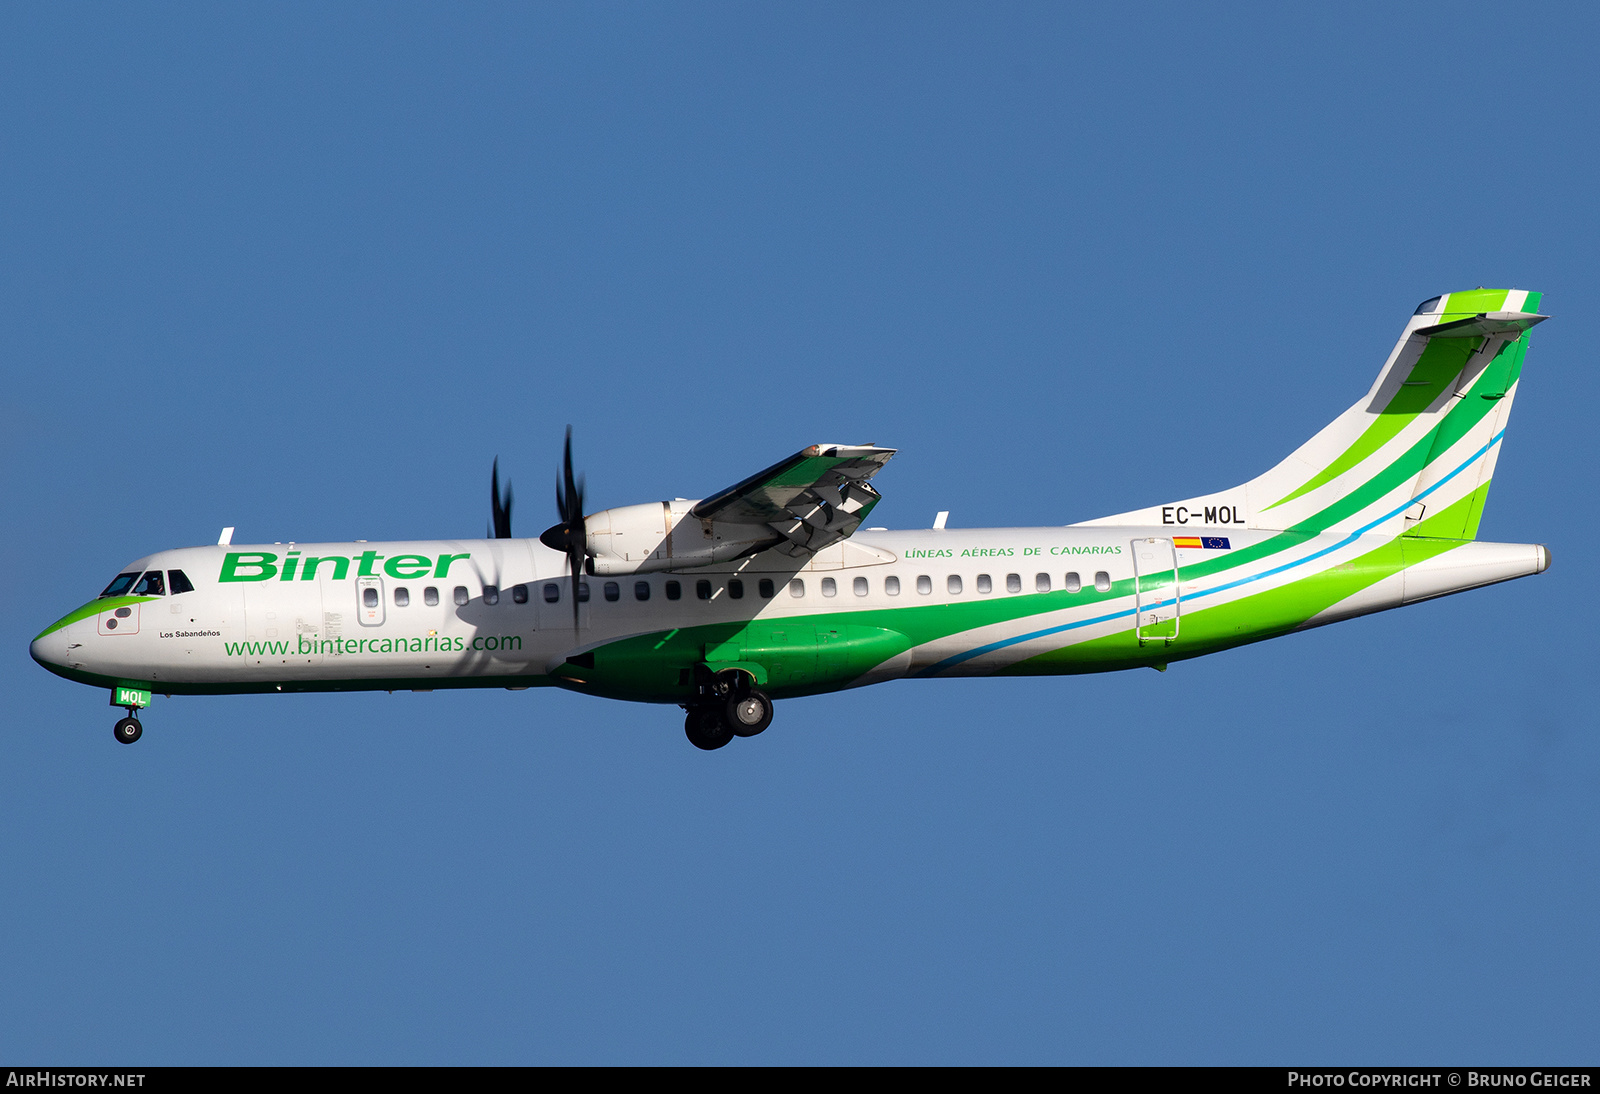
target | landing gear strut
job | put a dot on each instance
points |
(128, 730)
(728, 705)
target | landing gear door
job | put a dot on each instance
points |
(369, 601)
(1157, 608)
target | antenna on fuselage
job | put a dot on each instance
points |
(226, 539)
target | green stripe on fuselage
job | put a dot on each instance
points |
(1253, 618)
(94, 607)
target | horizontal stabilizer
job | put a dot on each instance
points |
(1484, 323)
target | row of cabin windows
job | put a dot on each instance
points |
(673, 590)
(430, 596)
(149, 583)
(954, 584)
(153, 583)
(552, 592)
(861, 586)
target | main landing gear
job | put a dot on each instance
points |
(729, 705)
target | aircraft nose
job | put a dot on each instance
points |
(50, 649)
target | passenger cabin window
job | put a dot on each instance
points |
(552, 592)
(369, 597)
(765, 588)
(519, 594)
(641, 590)
(1013, 583)
(735, 588)
(984, 584)
(860, 586)
(830, 587)
(402, 596)
(121, 584)
(430, 596)
(491, 594)
(462, 596)
(1041, 583)
(151, 584)
(953, 583)
(702, 589)
(179, 582)
(924, 584)
(891, 585)
(1102, 582)
(1074, 583)
(674, 591)
(797, 588)
(583, 592)
(612, 591)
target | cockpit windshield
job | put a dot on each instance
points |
(151, 584)
(121, 585)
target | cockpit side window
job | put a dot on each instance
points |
(121, 585)
(151, 584)
(179, 582)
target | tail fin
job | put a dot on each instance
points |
(1415, 455)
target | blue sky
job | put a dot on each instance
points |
(308, 271)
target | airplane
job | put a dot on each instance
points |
(772, 588)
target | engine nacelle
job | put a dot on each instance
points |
(664, 535)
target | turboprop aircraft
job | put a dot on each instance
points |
(772, 588)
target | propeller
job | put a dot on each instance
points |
(500, 507)
(569, 536)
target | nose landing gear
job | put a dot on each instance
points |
(128, 730)
(728, 705)
(132, 699)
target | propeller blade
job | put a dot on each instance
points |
(499, 508)
(577, 534)
(570, 536)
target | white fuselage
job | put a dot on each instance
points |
(499, 612)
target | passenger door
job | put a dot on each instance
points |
(1157, 607)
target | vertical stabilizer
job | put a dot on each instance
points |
(1421, 445)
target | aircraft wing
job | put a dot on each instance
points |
(813, 499)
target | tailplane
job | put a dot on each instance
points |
(1416, 454)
